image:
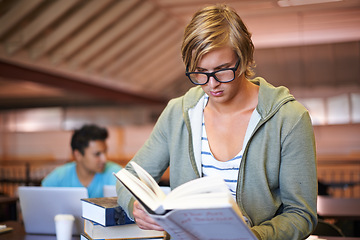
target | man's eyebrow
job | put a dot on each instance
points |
(224, 65)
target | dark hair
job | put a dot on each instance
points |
(81, 137)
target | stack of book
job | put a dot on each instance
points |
(105, 219)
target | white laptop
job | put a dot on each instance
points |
(39, 205)
(109, 191)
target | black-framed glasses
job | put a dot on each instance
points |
(223, 75)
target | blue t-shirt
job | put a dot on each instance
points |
(66, 176)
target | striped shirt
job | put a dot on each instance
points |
(226, 170)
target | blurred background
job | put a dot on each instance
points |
(117, 63)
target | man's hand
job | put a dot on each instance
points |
(143, 220)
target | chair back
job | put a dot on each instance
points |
(326, 229)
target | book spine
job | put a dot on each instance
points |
(116, 216)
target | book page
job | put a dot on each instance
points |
(202, 185)
(208, 200)
(148, 180)
(140, 191)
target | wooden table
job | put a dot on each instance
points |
(346, 208)
(18, 233)
(338, 238)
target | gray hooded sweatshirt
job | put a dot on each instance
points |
(277, 182)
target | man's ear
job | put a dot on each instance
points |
(77, 155)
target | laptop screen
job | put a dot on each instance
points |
(109, 191)
(39, 205)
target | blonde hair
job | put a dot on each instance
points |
(214, 27)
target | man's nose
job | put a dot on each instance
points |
(103, 157)
(213, 82)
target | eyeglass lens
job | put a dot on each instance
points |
(221, 75)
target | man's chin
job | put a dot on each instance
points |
(100, 170)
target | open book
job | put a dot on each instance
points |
(199, 209)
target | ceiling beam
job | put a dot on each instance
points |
(20, 72)
(69, 26)
(16, 14)
(93, 30)
(39, 24)
(142, 46)
(141, 21)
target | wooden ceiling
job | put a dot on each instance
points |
(63, 52)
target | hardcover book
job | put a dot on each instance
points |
(129, 231)
(199, 209)
(104, 211)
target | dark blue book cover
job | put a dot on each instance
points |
(104, 211)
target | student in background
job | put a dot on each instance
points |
(257, 137)
(90, 168)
